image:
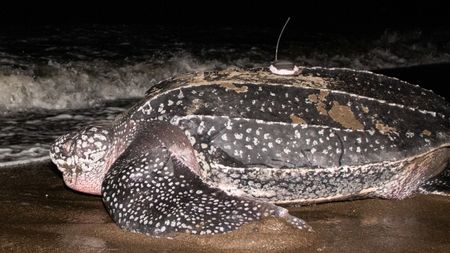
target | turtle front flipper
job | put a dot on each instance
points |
(154, 188)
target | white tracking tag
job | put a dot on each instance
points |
(284, 68)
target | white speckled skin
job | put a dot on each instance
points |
(208, 152)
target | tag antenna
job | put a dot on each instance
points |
(279, 37)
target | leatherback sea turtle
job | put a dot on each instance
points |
(206, 153)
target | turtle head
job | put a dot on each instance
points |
(82, 157)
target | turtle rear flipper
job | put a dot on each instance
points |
(152, 190)
(439, 185)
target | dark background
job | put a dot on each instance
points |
(317, 15)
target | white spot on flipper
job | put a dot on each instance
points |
(224, 137)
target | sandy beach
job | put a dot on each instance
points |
(39, 214)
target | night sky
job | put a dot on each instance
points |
(316, 15)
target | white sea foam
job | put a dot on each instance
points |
(23, 154)
(84, 84)
(25, 161)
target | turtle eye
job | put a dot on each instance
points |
(68, 146)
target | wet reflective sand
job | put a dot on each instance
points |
(39, 214)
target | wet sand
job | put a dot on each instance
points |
(39, 214)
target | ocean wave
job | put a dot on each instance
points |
(36, 151)
(24, 161)
(79, 84)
